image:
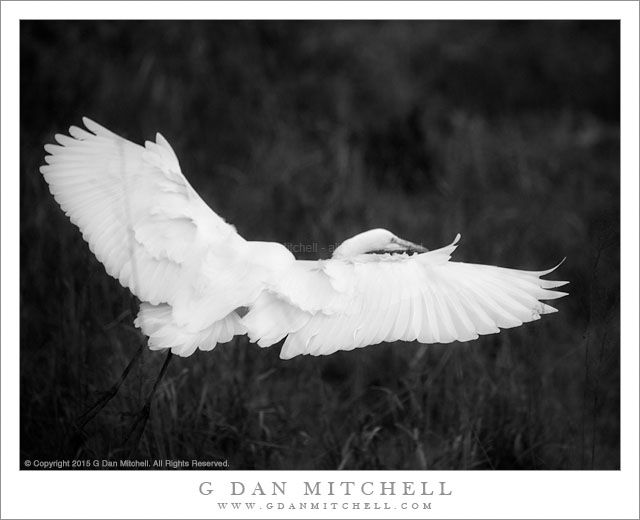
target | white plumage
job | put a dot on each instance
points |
(201, 283)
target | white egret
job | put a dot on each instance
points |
(201, 283)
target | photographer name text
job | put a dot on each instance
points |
(330, 488)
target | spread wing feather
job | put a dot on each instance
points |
(153, 232)
(140, 216)
(395, 297)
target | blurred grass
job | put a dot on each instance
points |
(311, 132)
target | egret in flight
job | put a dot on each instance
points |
(200, 283)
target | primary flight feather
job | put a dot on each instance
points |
(201, 283)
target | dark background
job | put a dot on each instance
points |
(507, 132)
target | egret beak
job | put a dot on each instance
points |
(405, 245)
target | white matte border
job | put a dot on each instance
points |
(482, 494)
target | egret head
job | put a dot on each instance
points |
(376, 241)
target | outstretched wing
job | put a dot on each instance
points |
(146, 224)
(345, 304)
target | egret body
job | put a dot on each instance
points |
(201, 283)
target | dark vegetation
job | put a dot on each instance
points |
(306, 132)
